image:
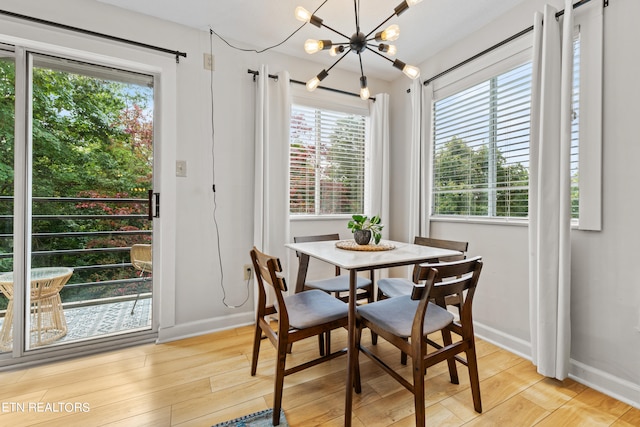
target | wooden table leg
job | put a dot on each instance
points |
(351, 353)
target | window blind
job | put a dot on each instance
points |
(327, 158)
(481, 147)
(575, 134)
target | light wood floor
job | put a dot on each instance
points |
(205, 380)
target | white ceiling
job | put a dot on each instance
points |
(425, 28)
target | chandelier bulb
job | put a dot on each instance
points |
(411, 71)
(406, 4)
(364, 90)
(335, 50)
(315, 82)
(312, 46)
(408, 70)
(390, 34)
(389, 49)
(304, 15)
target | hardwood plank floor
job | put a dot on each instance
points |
(205, 380)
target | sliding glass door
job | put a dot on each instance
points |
(88, 174)
(7, 188)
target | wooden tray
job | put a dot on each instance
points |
(351, 245)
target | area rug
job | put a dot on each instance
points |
(258, 419)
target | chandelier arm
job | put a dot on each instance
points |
(361, 69)
(335, 31)
(339, 59)
(381, 24)
(379, 54)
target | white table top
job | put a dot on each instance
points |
(402, 254)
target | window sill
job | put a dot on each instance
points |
(493, 221)
(481, 220)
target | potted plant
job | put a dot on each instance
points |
(364, 228)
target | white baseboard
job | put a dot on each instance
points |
(613, 386)
(192, 329)
(618, 388)
(510, 343)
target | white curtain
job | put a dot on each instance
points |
(550, 192)
(378, 170)
(271, 198)
(415, 165)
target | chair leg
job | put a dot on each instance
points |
(451, 362)
(257, 338)
(279, 384)
(356, 377)
(418, 388)
(474, 378)
(403, 357)
(374, 338)
(321, 344)
(370, 299)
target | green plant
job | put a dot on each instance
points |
(362, 222)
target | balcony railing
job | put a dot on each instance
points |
(93, 236)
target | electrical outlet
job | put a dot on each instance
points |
(247, 271)
(209, 63)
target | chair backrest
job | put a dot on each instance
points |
(303, 265)
(141, 257)
(267, 269)
(459, 278)
(443, 244)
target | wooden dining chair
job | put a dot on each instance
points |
(407, 321)
(337, 285)
(398, 286)
(299, 316)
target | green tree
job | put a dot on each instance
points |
(92, 138)
(461, 182)
(343, 177)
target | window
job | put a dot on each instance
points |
(481, 146)
(327, 161)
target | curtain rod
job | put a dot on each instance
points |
(177, 54)
(499, 44)
(330, 89)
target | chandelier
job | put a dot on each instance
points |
(358, 43)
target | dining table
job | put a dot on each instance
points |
(355, 258)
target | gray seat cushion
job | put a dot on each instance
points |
(396, 315)
(313, 307)
(337, 284)
(395, 287)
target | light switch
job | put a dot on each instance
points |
(181, 168)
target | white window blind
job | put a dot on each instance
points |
(481, 148)
(575, 134)
(327, 159)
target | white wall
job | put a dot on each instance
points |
(605, 302)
